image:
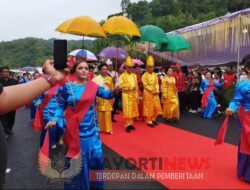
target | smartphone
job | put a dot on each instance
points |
(60, 54)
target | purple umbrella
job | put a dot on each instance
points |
(112, 53)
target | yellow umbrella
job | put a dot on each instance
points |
(82, 25)
(121, 25)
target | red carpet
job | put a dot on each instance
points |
(176, 144)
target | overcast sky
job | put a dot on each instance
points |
(39, 18)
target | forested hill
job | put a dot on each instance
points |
(32, 51)
(174, 14)
(167, 14)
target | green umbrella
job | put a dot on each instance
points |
(153, 34)
(175, 43)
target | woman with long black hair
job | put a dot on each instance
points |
(241, 103)
(77, 104)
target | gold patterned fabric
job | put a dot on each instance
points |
(151, 100)
(103, 106)
(128, 84)
(107, 83)
(104, 119)
(170, 98)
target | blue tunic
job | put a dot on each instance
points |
(49, 113)
(211, 104)
(242, 98)
(33, 106)
(89, 132)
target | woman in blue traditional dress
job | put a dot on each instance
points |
(241, 103)
(49, 111)
(35, 103)
(84, 134)
(209, 104)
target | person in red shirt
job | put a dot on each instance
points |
(228, 87)
(137, 71)
(181, 87)
(91, 72)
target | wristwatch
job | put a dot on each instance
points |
(51, 80)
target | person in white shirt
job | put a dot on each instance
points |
(112, 73)
(117, 92)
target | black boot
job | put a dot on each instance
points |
(113, 116)
(151, 125)
(128, 129)
(155, 123)
(132, 127)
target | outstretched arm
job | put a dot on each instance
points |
(237, 100)
(16, 96)
(103, 93)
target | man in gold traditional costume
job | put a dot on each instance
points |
(151, 101)
(129, 85)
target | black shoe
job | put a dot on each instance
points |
(11, 132)
(168, 120)
(175, 120)
(128, 129)
(151, 125)
(155, 123)
(132, 127)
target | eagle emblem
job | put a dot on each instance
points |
(56, 170)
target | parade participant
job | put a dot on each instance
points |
(208, 102)
(82, 133)
(181, 87)
(217, 91)
(228, 87)
(117, 91)
(151, 101)
(34, 102)
(203, 73)
(140, 91)
(129, 85)
(26, 93)
(104, 107)
(241, 103)
(91, 72)
(47, 105)
(8, 119)
(170, 97)
(194, 97)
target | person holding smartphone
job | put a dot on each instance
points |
(26, 93)
(77, 104)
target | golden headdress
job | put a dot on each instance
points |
(129, 62)
(150, 61)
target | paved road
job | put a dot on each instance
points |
(22, 160)
(23, 147)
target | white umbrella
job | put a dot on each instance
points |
(88, 55)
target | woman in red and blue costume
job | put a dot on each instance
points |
(49, 98)
(208, 102)
(241, 103)
(82, 133)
